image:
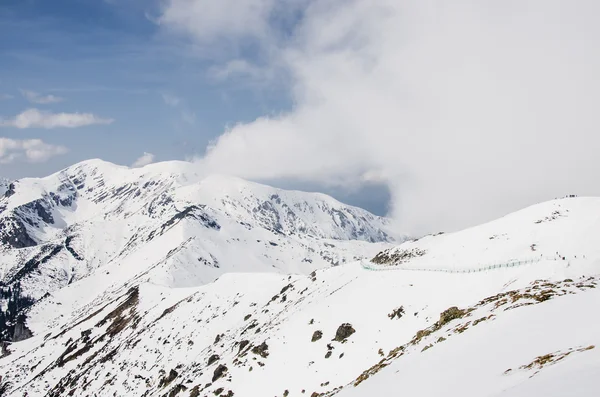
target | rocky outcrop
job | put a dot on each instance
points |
(13, 233)
(450, 314)
(21, 332)
(212, 359)
(220, 371)
(396, 256)
(262, 350)
(343, 332)
(316, 336)
(397, 313)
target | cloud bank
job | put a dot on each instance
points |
(29, 150)
(34, 118)
(466, 110)
(144, 159)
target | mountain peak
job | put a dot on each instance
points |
(95, 213)
(93, 165)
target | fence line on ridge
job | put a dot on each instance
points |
(501, 265)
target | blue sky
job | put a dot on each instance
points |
(111, 59)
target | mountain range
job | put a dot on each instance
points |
(161, 281)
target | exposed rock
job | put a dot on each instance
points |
(316, 336)
(213, 359)
(284, 289)
(395, 256)
(71, 249)
(421, 334)
(195, 392)
(243, 345)
(14, 233)
(122, 315)
(85, 335)
(5, 386)
(194, 212)
(170, 378)
(4, 349)
(261, 350)
(220, 371)
(343, 332)
(10, 190)
(552, 358)
(21, 332)
(176, 390)
(450, 314)
(397, 313)
(46, 254)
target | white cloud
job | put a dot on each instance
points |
(171, 100)
(144, 159)
(467, 111)
(30, 150)
(210, 20)
(35, 97)
(34, 118)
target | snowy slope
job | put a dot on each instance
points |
(550, 349)
(165, 219)
(503, 309)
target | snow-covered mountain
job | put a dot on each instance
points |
(166, 220)
(503, 309)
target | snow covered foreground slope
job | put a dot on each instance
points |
(504, 309)
(168, 222)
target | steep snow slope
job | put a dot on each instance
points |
(544, 350)
(472, 330)
(167, 220)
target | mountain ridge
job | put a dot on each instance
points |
(168, 222)
(255, 319)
